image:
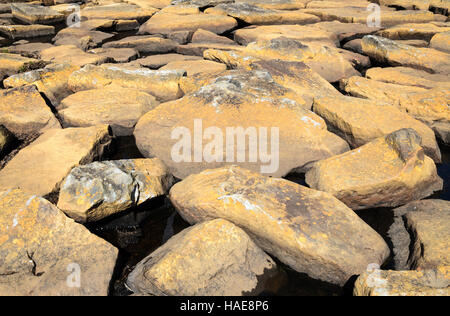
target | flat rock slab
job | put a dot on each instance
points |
(26, 31)
(441, 42)
(422, 31)
(159, 60)
(404, 283)
(145, 44)
(118, 107)
(35, 14)
(11, 64)
(40, 248)
(194, 67)
(210, 258)
(116, 55)
(64, 149)
(31, 50)
(71, 54)
(346, 31)
(203, 36)
(94, 191)
(360, 121)
(82, 38)
(163, 84)
(306, 229)
(24, 112)
(387, 172)
(118, 11)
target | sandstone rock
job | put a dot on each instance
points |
(388, 51)
(404, 283)
(441, 42)
(157, 61)
(336, 4)
(51, 81)
(31, 50)
(110, 25)
(354, 46)
(198, 49)
(166, 23)
(419, 4)
(305, 229)
(163, 84)
(26, 31)
(360, 121)
(150, 4)
(181, 37)
(145, 44)
(116, 55)
(181, 9)
(35, 14)
(79, 37)
(202, 36)
(64, 149)
(346, 31)
(252, 14)
(246, 99)
(276, 4)
(94, 191)
(23, 111)
(72, 55)
(6, 140)
(118, 11)
(358, 61)
(11, 64)
(41, 248)
(415, 43)
(423, 31)
(211, 258)
(118, 107)
(196, 66)
(387, 172)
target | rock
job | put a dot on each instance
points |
(6, 140)
(150, 4)
(79, 36)
(26, 31)
(23, 111)
(305, 229)
(181, 9)
(181, 37)
(415, 43)
(110, 25)
(276, 4)
(51, 81)
(360, 121)
(35, 14)
(145, 44)
(64, 149)
(354, 46)
(336, 4)
(387, 172)
(163, 84)
(41, 251)
(196, 66)
(212, 258)
(202, 36)
(441, 42)
(422, 31)
(166, 23)
(358, 61)
(404, 283)
(416, 4)
(346, 31)
(118, 11)
(157, 61)
(11, 64)
(198, 49)
(236, 103)
(388, 51)
(31, 50)
(72, 55)
(118, 107)
(252, 14)
(116, 55)
(94, 191)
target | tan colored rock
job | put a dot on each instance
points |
(118, 11)
(35, 14)
(157, 61)
(145, 44)
(109, 25)
(72, 55)
(198, 49)
(387, 172)
(276, 4)
(150, 4)
(163, 84)
(6, 140)
(238, 99)
(80, 37)
(181, 9)
(404, 283)
(305, 229)
(64, 149)
(116, 55)
(360, 121)
(97, 190)
(118, 107)
(41, 248)
(423, 31)
(166, 23)
(336, 4)
(211, 258)
(415, 43)
(413, 4)
(196, 66)
(346, 31)
(202, 36)
(26, 31)
(30, 50)
(441, 42)
(388, 51)
(11, 64)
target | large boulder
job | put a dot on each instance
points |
(80, 37)
(441, 41)
(40, 174)
(309, 230)
(387, 172)
(211, 258)
(29, 49)
(193, 67)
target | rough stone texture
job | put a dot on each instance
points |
(346, 31)
(247, 99)
(41, 174)
(212, 258)
(100, 189)
(404, 283)
(11, 64)
(387, 172)
(39, 246)
(193, 67)
(441, 42)
(360, 121)
(71, 54)
(31, 50)
(157, 61)
(419, 4)
(23, 111)
(203, 36)
(422, 31)
(311, 231)
(388, 51)
(163, 84)
(276, 4)
(35, 14)
(118, 107)
(26, 31)
(116, 55)
(118, 11)
(82, 38)
(145, 44)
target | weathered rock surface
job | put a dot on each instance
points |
(145, 44)
(203, 36)
(306, 229)
(41, 249)
(82, 38)
(276, 4)
(94, 191)
(404, 283)
(11, 64)
(157, 61)
(26, 31)
(41, 174)
(116, 55)
(198, 49)
(423, 31)
(118, 11)
(31, 50)
(163, 84)
(193, 67)
(35, 14)
(211, 258)
(71, 54)
(117, 107)
(441, 42)
(387, 172)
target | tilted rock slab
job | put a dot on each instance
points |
(212, 258)
(441, 41)
(26, 31)
(309, 230)
(387, 172)
(35, 14)
(145, 44)
(41, 251)
(423, 31)
(99, 189)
